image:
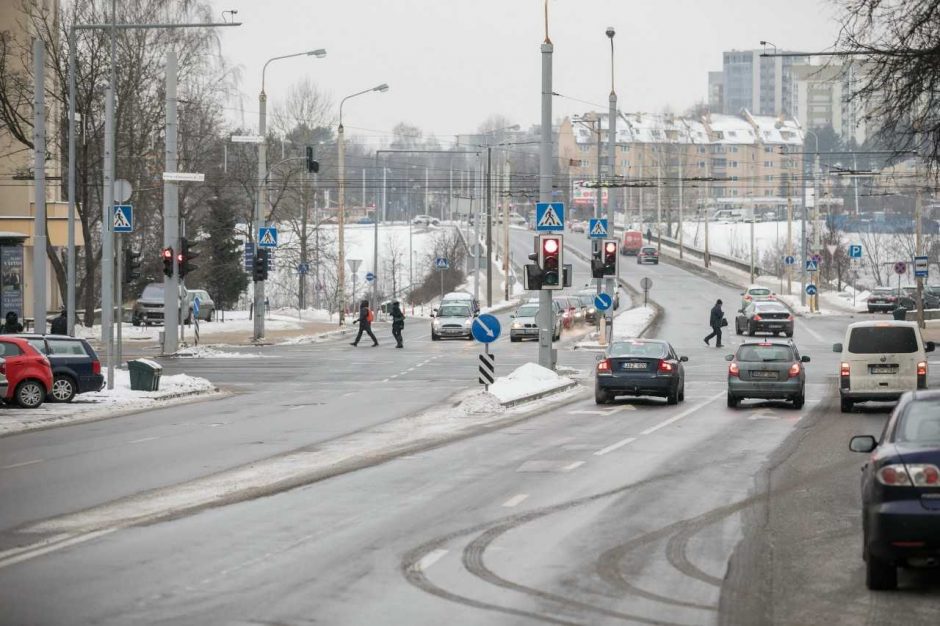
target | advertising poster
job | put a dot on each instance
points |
(11, 280)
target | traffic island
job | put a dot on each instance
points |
(527, 383)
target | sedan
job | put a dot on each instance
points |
(769, 370)
(764, 317)
(640, 367)
(647, 254)
(882, 299)
(452, 320)
(901, 490)
(525, 323)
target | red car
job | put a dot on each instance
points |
(28, 373)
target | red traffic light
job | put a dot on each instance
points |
(550, 246)
(168, 253)
(610, 247)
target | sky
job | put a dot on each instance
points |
(451, 64)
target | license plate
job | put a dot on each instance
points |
(883, 369)
(764, 374)
(634, 366)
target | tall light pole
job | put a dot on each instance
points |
(259, 219)
(803, 218)
(611, 161)
(341, 210)
(546, 315)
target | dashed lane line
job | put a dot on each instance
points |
(143, 439)
(23, 464)
(515, 500)
(686, 413)
(615, 446)
(572, 466)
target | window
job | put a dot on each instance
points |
(37, 343)
(701, 163)
(64, 346)
(624, 148)
(640, 349)
(10, 349)
(769, 178)
(734, 179)
(768, 163)
(734, 164)
(734, 148)
(881, 339)
(921, 422)
(768, 149)
(765, 354)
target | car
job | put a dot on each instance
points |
(525, 324)
(75, 365)
(365, 220)
(148, 309)
(452, 320)
(4, 385)
(567, 311)
(769, 370)
(901, 490)
(640, 367)
(631, 243)
(756, 293)
(28, 373)
(577, 226)
(425, 220)
(455, 297)
(766, 316)
(883, 299)
(908, 299)
(880, 361)
(206, 305)
(647, 254)
(587, 301)
(578, 310)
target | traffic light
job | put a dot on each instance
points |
(597, 259)
(609, 252)
(167, 255)
(186, 256)
(131, 266)
(313, 166)
(550, 261)
(261, 265)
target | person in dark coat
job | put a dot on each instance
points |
(60, 325)
(365, 326)
(649, 235)
(715, 320)
(12, 324)
(398, 323)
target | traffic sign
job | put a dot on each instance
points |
(485, 328)
(812, 265)
(789, 260)
(303, 268)
(370, 277)
(267, 237)
(249, 256)
(855, 251)
(597, 228)
(811, 289)
(487, 369)
(817, 258)
(441, 263)
(602, 301)
(183, 177)
(646, 282)
(123, 219)
(196, 306)
(549, 216)
(831, 247)
(900, 268)
(921, 266)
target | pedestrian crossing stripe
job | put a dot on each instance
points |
(550, 218)
(599, 229)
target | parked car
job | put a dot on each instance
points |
(648, 254)
(148, 309)
(425, 220)
(908, 299)
(768, 370)
(756, 293)
(882, 299)
(631, 243)
(525, 324)
(880, 361)
(452, 320)
(28, 373)
(640, 367)
(766, 316)
(206, 305)
(75, 365)
(462, 297)
(901, 490)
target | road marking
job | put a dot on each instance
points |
(23, 464)
(812, 332)
(25, 553)
(385, 380)
(515, 500)
(605, 412)
(615, 446)
(430, 559)
(687, 412)
(143, 440)
(572, 466)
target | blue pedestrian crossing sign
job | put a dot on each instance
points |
(812, 265)
(549, 216)
(597, 228)
(441, 263)
(602, 301)
(303, 268)
(267, 237)
(485, 328)
(811, 289)
(123, 219)
(789, 259)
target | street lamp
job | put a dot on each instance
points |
(341, 213)
(803, 216)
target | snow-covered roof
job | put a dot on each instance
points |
(779, 131)
(730, 129)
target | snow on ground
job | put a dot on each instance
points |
(527, 380)
(633, 322)
(206, 352)
(105, 403)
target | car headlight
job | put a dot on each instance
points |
(436, 324)
(516, 325)
(591, 311)
(466, 324)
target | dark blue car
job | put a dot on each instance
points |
(901, 490)
(640, 367)
(75, 365)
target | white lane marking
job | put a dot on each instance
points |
(615, 446)
(515, 500)
(143, 440)
(23, 464)
(25, 553)
(687, 412)
(812, 332)
(572, 466)
(430, 559)
(385, 380)
(605, 412)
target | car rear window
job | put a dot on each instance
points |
(759, 292)
(756, 353)
(883, 290)
(64, 346)
(920, 422)
(882, 339)
(638, 349)
(770, 307)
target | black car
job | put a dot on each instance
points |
(75, 365)
(640, 367)
(883, 299)
(764, 316)
(901, 490)
(908, 299)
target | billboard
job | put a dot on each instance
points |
(11, 280)
(586, 196)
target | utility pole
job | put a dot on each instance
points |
(918, 239)
(508, 196)
(789, 236)
(489, 226)
(546, 171)
(39, 178)
(659, 203)
(611, 282)
(171, 213)
(476, 237)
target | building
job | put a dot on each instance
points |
(716, 91)
(762, 85)
(820, 98)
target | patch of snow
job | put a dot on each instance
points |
(206, 352)
(525, 380)
(633, 322)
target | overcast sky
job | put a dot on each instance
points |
(451, 64)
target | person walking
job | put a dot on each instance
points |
(649, 236)
(60, 325)
(398, 323)
(365, 324)
(716, 320)
(12, 324)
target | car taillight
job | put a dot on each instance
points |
(96, 367)
(844, 369)
(3, 369)
(603, 367)
(733, 369)
(758, 318)
(665, 367)
(790, 317)
(922, 368)
(747, 297)
(771, 297)
(911, 475)
(794, 371)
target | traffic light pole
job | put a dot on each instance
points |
(171, 318)
(546, 170)
(119, 296)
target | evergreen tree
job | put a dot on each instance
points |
(225, 278)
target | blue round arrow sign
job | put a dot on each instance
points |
(485, 328)
(602, 301)
(370, 277)
(811, 289)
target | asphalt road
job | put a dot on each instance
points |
(578, 515)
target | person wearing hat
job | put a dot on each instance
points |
(398, 323)
(716, 321)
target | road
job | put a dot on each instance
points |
(633, 513)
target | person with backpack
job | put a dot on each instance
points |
(366, 317)
(398, 323)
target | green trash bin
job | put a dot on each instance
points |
(145, 374)
(900, 313)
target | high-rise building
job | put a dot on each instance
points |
(821, 97)
(762, 85)
(716, 91)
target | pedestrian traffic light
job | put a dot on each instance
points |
(609, 252)
(186, 256)
(550, 260)
(313, 166)
(131, 266)
(167, 256)
(261, 265)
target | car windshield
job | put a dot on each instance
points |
(765, 353)
(920, 422)
(587, 300)
(882, 339)
(759, 291)
(153, 292)
(638, 349)
(454, 310)
(527, 311)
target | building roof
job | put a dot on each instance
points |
(716, 128)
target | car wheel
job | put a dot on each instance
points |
(733, 401)
(846, 405)
(751, 331)
(601, 397)
(30, 394)
(799, 401)
(789, 334)
(435, 337)
(514, 339)
(682, 393)
(189, 318)
(63, 389)
(880, 575)
(135, 321)
(673, 397)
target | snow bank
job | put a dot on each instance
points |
(527, 380)
(205, 352)
(633, 322)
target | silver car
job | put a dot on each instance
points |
(526, 326)
(769, 370)
(452, 320)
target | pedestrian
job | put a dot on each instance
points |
(398, 323)
(60, 325)
(649, 235)
(365, 324)
(716, 320)
(12, 324)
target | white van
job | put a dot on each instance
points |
(880, 361)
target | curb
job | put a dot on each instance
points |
(539, 395)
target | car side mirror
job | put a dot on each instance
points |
(684, 359)
(512, 315)
(804, 359)
(862, 443)
(929, 346)
(729, 357)
(837, 347)
(599, 357)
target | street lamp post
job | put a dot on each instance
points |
(611, 164)
(803, 219)
(341, 211)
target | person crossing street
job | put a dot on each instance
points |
(365, 324)
(716, 320)
(398, 323)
